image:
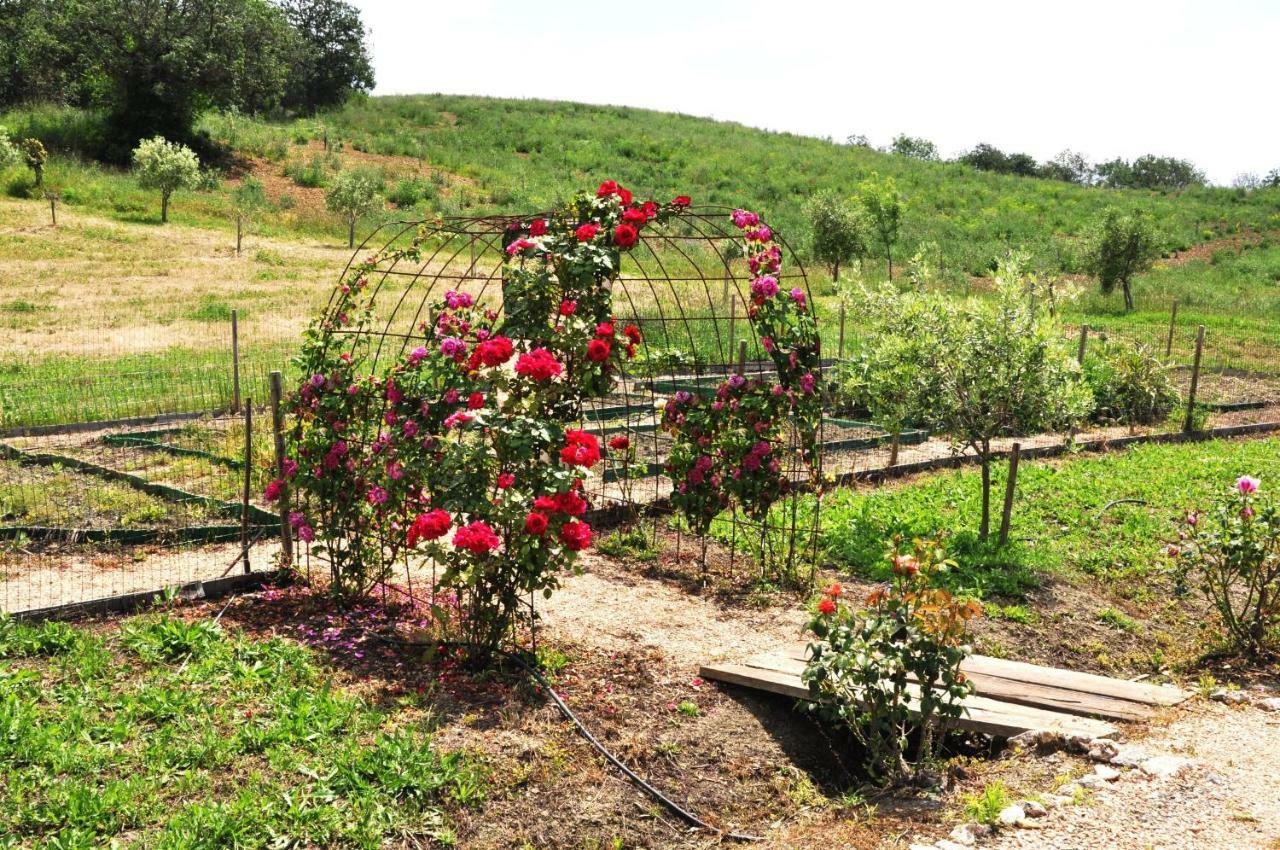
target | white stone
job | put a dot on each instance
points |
(1105, 773)
(946, 844)
(1269, 704)
(1034, 809)
(1103, 749)
(963, 836)
(1055, 801)
(921, 847)
(1129, 757)
(1228, 696)
(1011, 816)
(1162, 767)
(1091, 781)
(1069, 791)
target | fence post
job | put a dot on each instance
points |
(733, 323)
(239, 231)
(277, 430)
(53, 206)
(1195, 381)
(248, 483)
(840, 343)
(742, 357)
(1173, 318)
(1084, 340)
(1010, 486)
(235, 361)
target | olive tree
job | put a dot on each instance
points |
(1118, 246)
(36, 157)
(839, 231)
(166, 166)
(9, 153)
(879, 198)
(353, 194)
(247, 199)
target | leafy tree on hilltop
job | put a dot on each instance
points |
(1069, 167)
(330, 59)
(840, 231)
(1150, 172)
(914, 147)
(986, 157)
(879, 197)
(1118, 246)
(167, 166)
(352, 195)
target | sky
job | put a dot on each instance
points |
(1197, 80)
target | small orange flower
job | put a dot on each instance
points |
(834, 590)
(827, 605)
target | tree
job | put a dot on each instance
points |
(9, 153)
(1069, 167)
(1150, 172)
(1247, 181)
(247, 199)
(1272, 180)
(1118, 246)
(914, 147)
(331, 59)
(167, 166)
(353, 194)
(879, 198)
(36, 157)
(839, 231)
(857, 140)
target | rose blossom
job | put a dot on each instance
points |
(1247, 484)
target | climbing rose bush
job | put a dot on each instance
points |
(1231, 553)
(891, 672)
(457, 452)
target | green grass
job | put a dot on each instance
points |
(171, 734)
(1056, 526)
(985, 806)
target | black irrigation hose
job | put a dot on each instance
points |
(684, 814)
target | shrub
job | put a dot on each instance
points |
(1130, 385)
(167, 166)
(310, 175)
(409, 191)
(353, 194)
(892, 672)
(35, 157)
(1232, 553)
(1118, 246)
(839, 231)
(9, 153)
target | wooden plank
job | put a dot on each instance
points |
(980, 713)
(1020, 693)
(1054, 677)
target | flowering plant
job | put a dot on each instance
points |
(1232, 552)
(892, 669)
(457, 450)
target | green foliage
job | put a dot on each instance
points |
(352, 195)
(1232, 553)
(839, 231)
(1118, 246)
(986, 157)
(914, 147)
(35, 157)
(9, 153)
(1130, 384)
(330, 57)
(20, 639)
(165, 638)
(883, 205)
(864, 666)
(985, 806)
(167, 166)
(1150, 172)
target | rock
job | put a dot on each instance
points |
(1030, 824)
(1033, 738)
(1269, 704)
(968, 834)
(1057, 801)
(1228, 697)
(1129, 757)
(1011, 816)
(1105, 773)
(1034, 809)
(1162, 767)
(1103, 750)
(921, 847)
(1070, 791)
(1079, 743)
(946, 844)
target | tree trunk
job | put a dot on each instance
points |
(1128, 296)
(351, 233)
(985, 528)
(893, 448)
(888, 253)
(239, 232)
(164, 208)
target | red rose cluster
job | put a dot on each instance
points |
(477, 538)
(581, 449)
(539, 364)
(429, 526)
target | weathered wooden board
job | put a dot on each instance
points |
(982, 714)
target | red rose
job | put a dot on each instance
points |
(581, 449)
(624, 236)
(827, 605)
(598, 350)
(607, 188)
(535, 523)
(632, 333)
(505, 480)
(475, 401)
(650, 209)
(273, 491)
(538, 227)
(834, 590)
(494, 352)
(604, 329)
(620, 443)
(571, 503)
(576, 535)
(477, 538)
(681, 201)
(539, 364)
(567, 307)
(587, 232)
(429, 526)
(625, 195)
(546, 503)
(635, 216)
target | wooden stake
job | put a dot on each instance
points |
(53, 207)
(239, 231)
(1173, 318)
(1009, 487)
(742, 357)
(1084, 340)
(235, 361)
(248, 483)
(840, 344)
(733, 322)
(1195, 381)
(277, 430)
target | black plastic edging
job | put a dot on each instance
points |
(134, 536)
(103, 424)
(142, 442)
(210, 589)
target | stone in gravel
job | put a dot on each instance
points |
(945, 844)
(1269, 704)
(968, 834)
(1129, 757)
(1032, 738)
(1034, 809)
(1162, 767)
(1011, 816)
(1069, 791)
(1079, 743)
(1030, 824)
(1057, 801)
(1103, 749)
(1106, 774)
(1229, 697)
(921, 847)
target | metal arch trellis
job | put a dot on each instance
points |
(686, 285)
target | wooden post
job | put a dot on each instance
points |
(1009, 488)
(1173, 318)
(733, 322)
(1188, 424)
(248, 483)
(471, 270)
(239, 231)
(277, 430)
(53, 207)
(235, 361)
(725, 295)
(742, 357)
(840, 344)
(1084, 340)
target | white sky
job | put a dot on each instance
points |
(1199, 80)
